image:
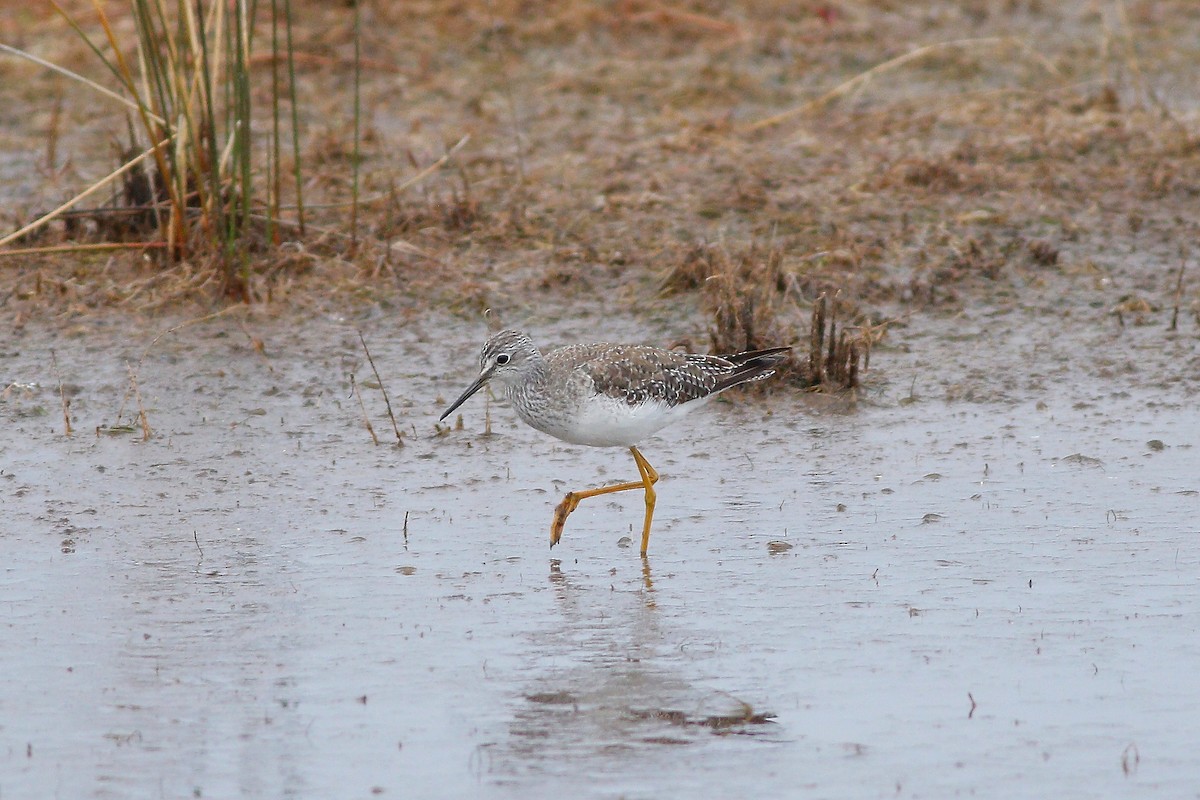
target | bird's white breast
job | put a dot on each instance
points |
(603, 421)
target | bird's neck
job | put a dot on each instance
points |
(530, 391)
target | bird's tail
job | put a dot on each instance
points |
(759, 358)
(753, 365)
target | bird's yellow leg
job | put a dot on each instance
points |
(649, 478)
(571, 501)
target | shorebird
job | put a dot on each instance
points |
(609, 395)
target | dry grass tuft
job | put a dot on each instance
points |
(1042, 252)
(454, 211)
(693, 267)
(756, 299)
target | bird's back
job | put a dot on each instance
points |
(638, 373)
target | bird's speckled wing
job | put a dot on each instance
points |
(637, 373)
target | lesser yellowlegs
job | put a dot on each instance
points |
(609, 395)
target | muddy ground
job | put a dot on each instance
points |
(977, 574)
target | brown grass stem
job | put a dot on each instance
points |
(863, 78)
(75, 76)
(143, 420)
(81, 248)
(382, 390)
(153, 120)
(1178, 292)
(62, 394)
(357, 157)
(275, 179)
(49, 217)
(363, 406)
(53, 131)
(291, 61)
(391, 193)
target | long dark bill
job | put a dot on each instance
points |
(472, 389)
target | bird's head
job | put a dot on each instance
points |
(507, 357)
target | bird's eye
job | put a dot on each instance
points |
(503, 359)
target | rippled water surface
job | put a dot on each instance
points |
(930, 596)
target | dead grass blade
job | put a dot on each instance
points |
(383, 391)
(363, 407)
(390, 195)
(62, 394)
(862, 79)
(88, 192)
(81, 248)
(75, 76)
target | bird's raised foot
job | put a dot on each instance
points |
(568, 504)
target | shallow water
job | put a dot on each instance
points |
(916, 599)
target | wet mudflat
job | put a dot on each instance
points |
(981, 584)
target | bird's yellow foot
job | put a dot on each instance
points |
(568, 504)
